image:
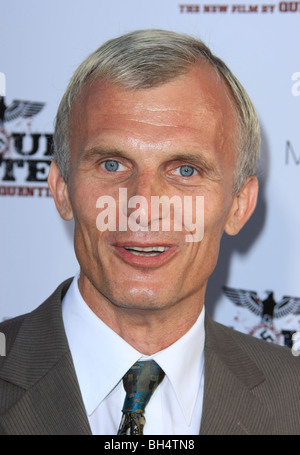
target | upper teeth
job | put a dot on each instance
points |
(160, 249)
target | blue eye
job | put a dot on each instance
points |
(111, 165)
(186, 171)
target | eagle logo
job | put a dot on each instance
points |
(16, 109)
(267, 308)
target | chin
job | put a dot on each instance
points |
(142, 300)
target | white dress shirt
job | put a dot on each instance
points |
(101, 358)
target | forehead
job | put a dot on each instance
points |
(194, 106)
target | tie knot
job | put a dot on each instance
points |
(139, 383)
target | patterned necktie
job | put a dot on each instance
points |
(139, 383)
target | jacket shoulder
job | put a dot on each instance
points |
(277, 363)
(253, 346)
(11, 328)
(250, 381)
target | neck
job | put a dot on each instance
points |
(147, 330)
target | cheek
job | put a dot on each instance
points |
(83, 200)
(216, 210)
(206, 252)
(83, 195)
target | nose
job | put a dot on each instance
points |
(139, 209)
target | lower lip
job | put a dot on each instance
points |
(145, 261)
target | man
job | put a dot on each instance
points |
(152, 114)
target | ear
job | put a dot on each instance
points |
(243, 206)
(59, 190)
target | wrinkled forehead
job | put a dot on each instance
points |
(199, 99)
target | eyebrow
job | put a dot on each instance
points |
(96, 152)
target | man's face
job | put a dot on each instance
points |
(174, 140)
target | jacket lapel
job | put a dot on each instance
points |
(230, 406)
(40, 368)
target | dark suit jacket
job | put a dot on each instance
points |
(251, 386)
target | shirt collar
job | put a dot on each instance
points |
(94, 345)
(185, 376)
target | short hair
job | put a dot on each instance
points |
(148, 58)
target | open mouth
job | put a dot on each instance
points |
(148, 251)
(145, 256)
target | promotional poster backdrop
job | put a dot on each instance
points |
(256, 284)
